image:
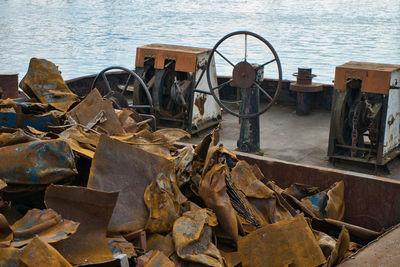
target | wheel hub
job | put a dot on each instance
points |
(243, 75)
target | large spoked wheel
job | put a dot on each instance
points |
(244, 73)
(118, 96)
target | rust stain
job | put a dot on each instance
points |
(199, 102)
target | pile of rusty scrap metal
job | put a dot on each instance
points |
(82, 183)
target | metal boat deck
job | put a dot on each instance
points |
(299, 139)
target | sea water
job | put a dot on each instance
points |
(84, 36)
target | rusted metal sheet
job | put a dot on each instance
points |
(340, 250)
(375, 77)
(165, 244)
(384, 251)
(184, 56)
(285, 243)
(92, 209)
(44, 82)
(81, 142)
(93, 105)
(37, 162)
(46, 224)
(163, 199)
(8, 85)
(39, 253)
(158, 258)
(2, 185)
(119, 166)
(21, 120)
(192, 238)
(380, 205)
(213, 192)
(259, 195)
(6, 233)
(9, 256)
(231, 258)
(328, 203)
(118, 245)
(10, 137)
(36, 253)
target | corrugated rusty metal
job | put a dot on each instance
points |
(44, 82)
(93, 210)
(184, 56)
(285, 243)
(119, 166)
(46, 224)
(90, 107)
(375, 77)
(37, 162)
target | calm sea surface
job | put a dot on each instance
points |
(84, 36)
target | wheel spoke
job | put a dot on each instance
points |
(106, 81)
(245, 47)
(262, 90)
(266, 63)
(227, 60)
(222, 85)
(126, 84)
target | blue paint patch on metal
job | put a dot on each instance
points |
(37, 162)
(319, 202)
(14, 120)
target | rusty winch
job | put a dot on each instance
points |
(365, 122)
(176, 81)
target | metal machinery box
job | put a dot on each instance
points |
(365, 122)
(178, 86)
